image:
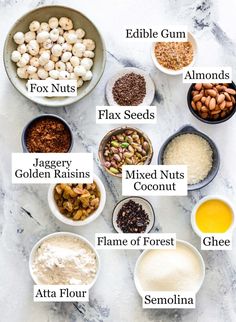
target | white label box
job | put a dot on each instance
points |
(52, 168)
(135, 241)
(126, 114)
(169, 300)
(50, 88)
(61, 293)
(216, 242)
(154, 180)
(205, 74)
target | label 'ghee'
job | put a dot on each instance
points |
(214, 216)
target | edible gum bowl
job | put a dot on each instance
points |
(172, 72)
(80, 21)
(189, 99)
(200, 202)
(116, 131)
(56, 212)
(26, 128)
(37, 245)
(216, 156)
(146, 205)
(178, 241)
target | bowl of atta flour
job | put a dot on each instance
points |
(64, 258)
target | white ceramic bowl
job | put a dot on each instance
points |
(183, 242)
(145, 205)
(150, 86)
(54, 209)
(44, 13)
(200, 202)
(32, 253)
(172, 72)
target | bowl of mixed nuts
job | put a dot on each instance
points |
(212, 103)
(77, 204)
(124, 146)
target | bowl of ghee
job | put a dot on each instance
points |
(213, 215)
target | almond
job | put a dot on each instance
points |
(193, 105)
(220, 98)
(207, 100)
(229, 104)
(211, 92)
(207, 85)
(197, 97)
(230, 91)
(212, 103)
(227, 96)
(198, 86)
(222, 105)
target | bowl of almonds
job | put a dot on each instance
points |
(212, 103)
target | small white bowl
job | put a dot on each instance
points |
(145, 205)
(150, 87)
(183, 242)
(32, 253)
(200, 202)
(172, 72)
(54, 208)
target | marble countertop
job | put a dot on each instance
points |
(25, 216)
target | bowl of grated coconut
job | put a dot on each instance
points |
(193, 148)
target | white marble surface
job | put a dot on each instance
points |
(24, 213)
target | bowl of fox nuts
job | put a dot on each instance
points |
(212, 103)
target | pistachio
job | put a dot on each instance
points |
(124, 145)
(115, 144)
(113, 170)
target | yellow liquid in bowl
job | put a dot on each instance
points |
(214, 216)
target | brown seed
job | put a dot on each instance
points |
(227, 96)
(194, 93)
(193, 105)
(215, 112)
(207, 85)
(203, 99)
(219, 88)
(220, 98)
(212, 103)
(199, 105)
(204, 115)
(207, 100)
(211, 92)
(223, 114)
(204, 109)
(216, 116)
(222, 105)
(229, 104)
(230, 91)
(198, 86)
(197, 97)
(232, 99)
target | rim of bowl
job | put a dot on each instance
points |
(130, 198)
(180, 241)
(192, 39)
(42, 116)
(55, 211)
(185, 129)
(189, 98)
(59, 103)
(61, 233)
(200, 202)
(117, 130)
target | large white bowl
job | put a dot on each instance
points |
(54, 208)
(32, 254)
(183, 242)
(80, 21)
(200, 202)
(172, 72)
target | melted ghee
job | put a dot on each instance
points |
(214, 216)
